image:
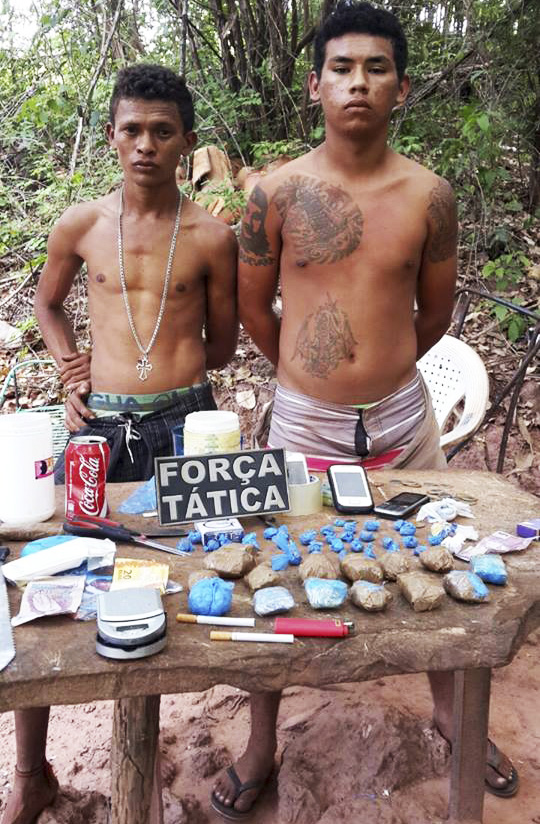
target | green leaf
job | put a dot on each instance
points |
(483, 122)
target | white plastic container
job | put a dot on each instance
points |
(26, 468)
(211, 432)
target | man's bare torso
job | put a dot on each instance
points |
(178, 355)
(350, 260)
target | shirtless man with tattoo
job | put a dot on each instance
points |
(161, 271)
(357, 234)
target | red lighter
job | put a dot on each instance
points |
(314, 628)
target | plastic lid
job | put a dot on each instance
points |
(25, 423)
(212, 422)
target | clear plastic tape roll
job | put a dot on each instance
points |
(305, 499)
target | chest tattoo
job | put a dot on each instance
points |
(254, 245)
(443, 216)
(325, 339)
(323, 222)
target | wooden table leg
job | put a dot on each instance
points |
(133, 759)
(471, 711)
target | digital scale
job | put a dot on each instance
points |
(131, 623)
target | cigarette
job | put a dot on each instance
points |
(216, 635)
(185, 618)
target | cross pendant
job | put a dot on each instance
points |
(143, 367)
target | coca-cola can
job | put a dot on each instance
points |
(86, 462)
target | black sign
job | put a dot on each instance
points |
(197, 487)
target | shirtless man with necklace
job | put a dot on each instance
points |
(161, 272)
(356, 233)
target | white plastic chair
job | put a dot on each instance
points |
(456, 375)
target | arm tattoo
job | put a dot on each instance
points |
(443, 217)
(254, 244)
(325, 338)
(323, 222)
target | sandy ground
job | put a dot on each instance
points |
(387, 767)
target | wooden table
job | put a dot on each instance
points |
(56, 662)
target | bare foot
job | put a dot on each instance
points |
(31, 793)
(250, 768)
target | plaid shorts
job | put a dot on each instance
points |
(135, 441)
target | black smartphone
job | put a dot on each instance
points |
(401, 506)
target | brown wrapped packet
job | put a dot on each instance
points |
(423, 592)
(368, 596)
(437, 559)
(198, 575)
(231, 560)
(262, 576)
(464, 585)
(318, 565)
(357, 568)
(394, 564)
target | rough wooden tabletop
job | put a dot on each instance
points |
(56, 661)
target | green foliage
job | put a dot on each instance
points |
(507, 270)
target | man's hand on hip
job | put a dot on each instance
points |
(77, 413)
(74, 369)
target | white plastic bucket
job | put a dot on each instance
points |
(26, 468)
(211, 432)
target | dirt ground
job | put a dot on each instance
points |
(388, 767)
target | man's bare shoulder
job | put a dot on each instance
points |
(210, 232)
(303, 165)
(80, 218)
(424, 180)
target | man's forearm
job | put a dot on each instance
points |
(428, 332)
(57, 332)
(264, 331)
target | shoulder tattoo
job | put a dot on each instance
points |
(443, 217)
(254, 244)
(323, 221)
(324, 340)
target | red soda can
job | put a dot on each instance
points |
(86, 462)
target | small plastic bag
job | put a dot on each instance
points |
(490, 568)
(325, 594)
(211, 596)
(272, 600)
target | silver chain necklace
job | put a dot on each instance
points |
(143, 364)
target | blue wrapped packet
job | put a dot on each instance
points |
(356, 545)
(212, 545)
(281, 540)
(420, 548)
(389, 544)
(315, 546)
(272, 600)
(367, 535)
(269, 532)
(307, 537)
(293, 554)
(195, 537)
(368, 551)
(211, 596)
(407, 528)
(410, 541)
(142, 500)
(251, 538)
(325, 594)
(336, 545)
(279, 562)
(372, 526)
(185, 545)
(490, 568)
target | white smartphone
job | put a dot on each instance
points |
(297, 471)
(350, 488)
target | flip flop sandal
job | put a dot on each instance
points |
(229, 812)
(494, 759)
